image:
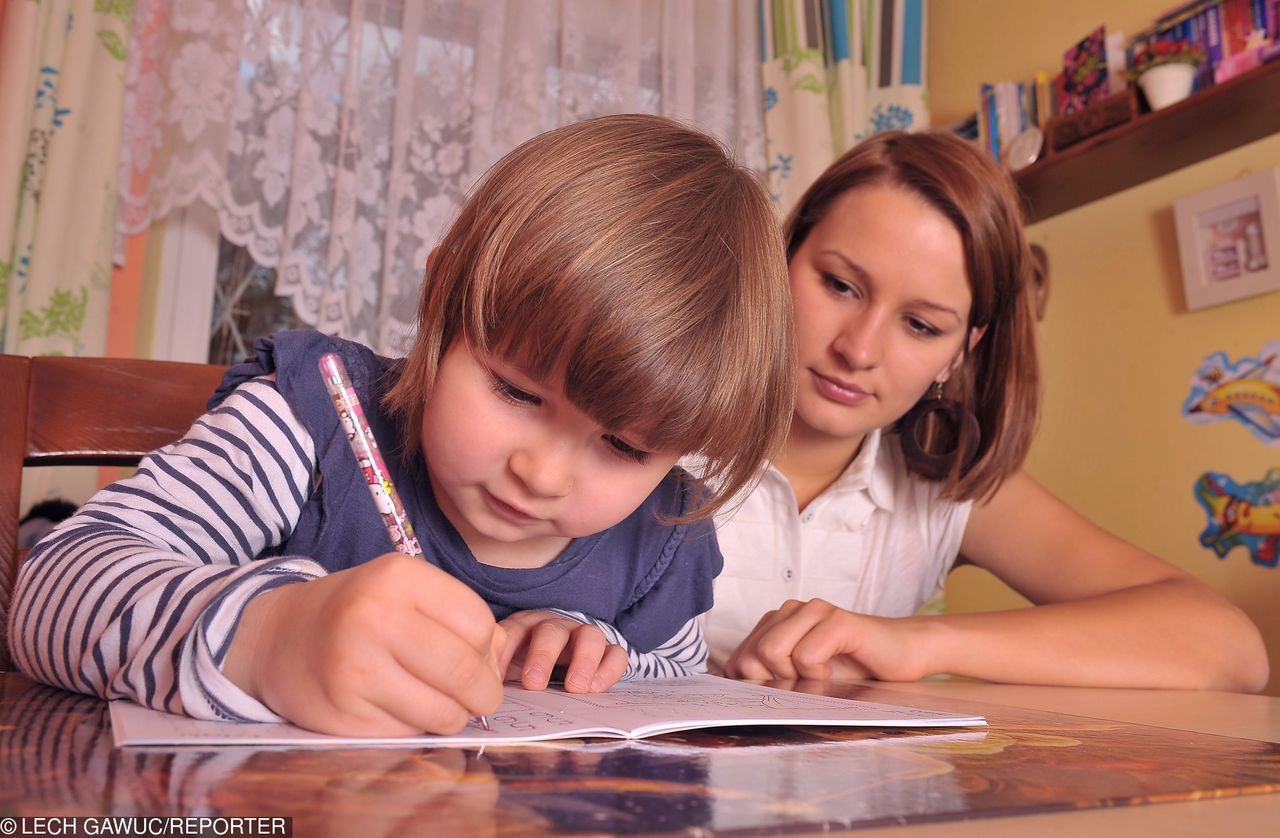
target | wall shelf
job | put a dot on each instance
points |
(1223, 117)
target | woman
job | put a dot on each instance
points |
(910, 279)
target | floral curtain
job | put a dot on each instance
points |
(337, 138)
(61, 88)
(836, 71)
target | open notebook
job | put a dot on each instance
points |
(630, 710)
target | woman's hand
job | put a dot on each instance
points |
(394, 647)
(539, 640)
(817, 640)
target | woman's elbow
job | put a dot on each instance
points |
(1255, 672)
(1246, 667)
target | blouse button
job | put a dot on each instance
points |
(807, 517)
(786, 574)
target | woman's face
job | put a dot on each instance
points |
(882, 301)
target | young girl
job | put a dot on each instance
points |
(910, 279)
(572, 343)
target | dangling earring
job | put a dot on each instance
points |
(912, 427)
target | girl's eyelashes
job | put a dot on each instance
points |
(624, 450)
(510, 393)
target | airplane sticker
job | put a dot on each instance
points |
(1247, 391)
(1241, 515)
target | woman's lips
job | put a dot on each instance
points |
(842, 392)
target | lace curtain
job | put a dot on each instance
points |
(337, 138)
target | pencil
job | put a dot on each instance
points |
(365, 446)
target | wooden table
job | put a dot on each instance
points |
(1054, 761)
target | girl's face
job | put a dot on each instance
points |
(882, 301)
(518, 470)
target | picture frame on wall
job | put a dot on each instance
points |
(1229, 240)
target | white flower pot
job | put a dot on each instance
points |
(1165, 84)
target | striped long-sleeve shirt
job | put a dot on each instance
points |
(137, 595)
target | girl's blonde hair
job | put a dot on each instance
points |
(999, 379)
(630, 255)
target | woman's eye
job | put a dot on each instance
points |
(511, 393)
(624, 450)
(836, 284)
(922, 328)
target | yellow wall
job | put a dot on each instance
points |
(1118, 347)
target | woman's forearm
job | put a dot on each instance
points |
(1175, 633)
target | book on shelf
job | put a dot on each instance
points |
(1008, 108)
(1237, 25)
(1212, 36)
(1246, 15)
(630, 710)
(1084, 72)
(1115, 52)
(988, 120)
(1045, 88)
(1237, 64)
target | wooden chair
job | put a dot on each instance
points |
(84, 411)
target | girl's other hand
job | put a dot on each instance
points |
(538, 641)
(393, 647)
(817, 640)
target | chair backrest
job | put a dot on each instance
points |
(85, 411)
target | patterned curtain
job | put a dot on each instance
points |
(337, 138)
(61, 88)
(836, 71)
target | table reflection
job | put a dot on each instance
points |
(57, 759)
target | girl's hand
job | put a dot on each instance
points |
(539, 640)
(817, 640)
(393, 647)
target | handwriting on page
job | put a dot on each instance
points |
(632, 705)
(516, 717)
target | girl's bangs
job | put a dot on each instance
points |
(630, 379)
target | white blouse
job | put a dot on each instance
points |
(878, 541)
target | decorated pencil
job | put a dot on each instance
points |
(369, 459)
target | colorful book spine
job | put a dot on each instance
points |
(1213, 35)
(1044, 97)
(1237, 25)
(1196, 35)
(988, 123)
(1258, 16)
(1007, 114)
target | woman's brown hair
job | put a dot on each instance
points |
(631, 256)
(999, 378)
